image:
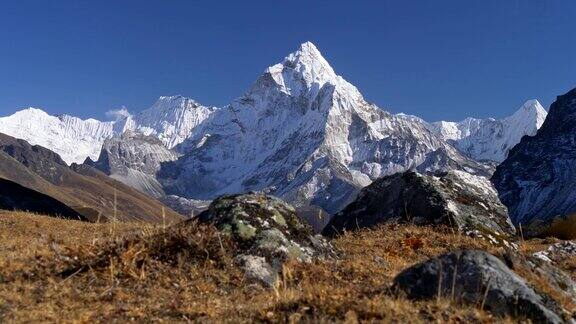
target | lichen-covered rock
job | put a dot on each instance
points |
(266, 230)
(463, 201)
(257, 268)
(478, 278)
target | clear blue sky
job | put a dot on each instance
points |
(437, 59)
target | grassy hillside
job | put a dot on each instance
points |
(62, 270)
(84, 189)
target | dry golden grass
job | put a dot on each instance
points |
(67, 271)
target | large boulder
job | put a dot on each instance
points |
(537, 181)
(463, 201)
(478, 278)
(267, 232)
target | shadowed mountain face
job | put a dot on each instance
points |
(537, 181)
(84, 189)
(16, 197)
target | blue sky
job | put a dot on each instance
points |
(437, 59)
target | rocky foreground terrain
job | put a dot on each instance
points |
(250, 258)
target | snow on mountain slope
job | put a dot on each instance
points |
(170, 119)
(72, 138)
(303, 133)
(492, 139)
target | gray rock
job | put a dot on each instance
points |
(463, 201)
(557, 252)
(475, 277)
(267, 230)
(556, 281)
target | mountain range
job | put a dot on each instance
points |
(491, 139)
(300, 132)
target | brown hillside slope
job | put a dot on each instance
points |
(84, 189)
(16, 197)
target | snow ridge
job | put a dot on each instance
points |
(72, 138)
(171, 119)
(492, 139)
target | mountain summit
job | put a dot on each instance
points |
(306, 64)
(303, 133)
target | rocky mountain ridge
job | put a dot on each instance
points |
(536, 181)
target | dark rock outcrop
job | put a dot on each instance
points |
(267, 231)
(478, 278)
(465, 202)
(537, 182)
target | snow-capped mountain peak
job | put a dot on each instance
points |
(305, 67)
(531, 113)
(492, 139)
(172, 119)
(305, 134)
(72, 138)
(300, 132)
